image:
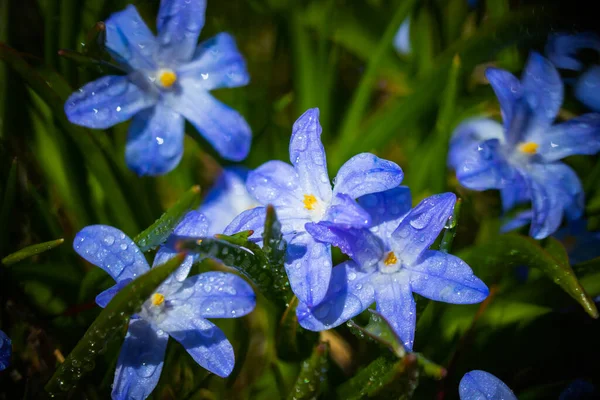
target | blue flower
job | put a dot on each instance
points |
(178, 308)
(168, 80)
(390, 262)
(521, 157)
(227, 199)
(402, 38)
(302, 195)
(579, 390)
(5, 350)
(562, 49)
(481, 385)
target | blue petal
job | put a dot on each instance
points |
(587, 88)
(515, 192)
(396, 303)
(543, 90)
(106, 102)
(419, 229)
(129, 40)
(308, 267)
(110, 249)
(227, 198)
(555, 189)
(508, 91)
(5, 350)
(481, 385)
(253, 219)
(387, 209)
(155, 141)
(562, 49)
(140, 361)
(213, 295)
(359, 244)
(308, 156)
(579, 390)
(106, 296)
(579, 135)
(402, 38)
(179, 23)
(204, 341)
(520, 220)
(366, 173)
(217, 64)
(444, 277)
(346, 213)
(350, 293)
(581, 244)
(276, 183)
(223, 127)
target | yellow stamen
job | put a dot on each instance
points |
(529, 147)
(391, 259)
(167, 78)
(157, 299)
(309, 201)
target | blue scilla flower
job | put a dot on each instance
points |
(302, 194)
(563, 50)
(402, 38)
(521, 157)
(481, 385)
(390, 261)
(178, 308)
(168, 80)
(5, 350)
(227, 199)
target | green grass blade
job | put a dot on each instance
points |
(31, 251)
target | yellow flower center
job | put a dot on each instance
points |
(310, 201)
(157, 299)
(167, 78)
(390, 259)
(528, 147)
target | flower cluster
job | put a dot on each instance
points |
(167, 80)
(5, 350)
(521, 156)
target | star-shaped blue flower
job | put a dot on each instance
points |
(563, 50)
(178, 308)
(521, 157)
(168, 80)
(481, 385)
(302, 195)
(5, 350)
(390, 262)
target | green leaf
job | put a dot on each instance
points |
(85, 61)
(160, 230)
(514, 250)
(8, 201)
(367, 380)
(312, 374)
(31, 251)
(274, 249)
(450, 231)
(111, 320)
(292, 341)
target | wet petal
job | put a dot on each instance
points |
(508, 91)
(179, 23)
(587, 88)
(515, 192)
(444, 277)
(350, 293)
(387, 209)
(481, 385)
(396, 303)
(217, 64)
(213, 295)
(155, 141)
(106, 102)
(366, 173)
(421, 226)
(308, 156)
(223, 127)
(106, 296)
(556, 190)
(308, 267)
(276, 183)
(140, 361)
(129, 40)
(542, 89)
(110, 249)
(346, 213)
(253, 220)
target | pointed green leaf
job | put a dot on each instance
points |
(367, 379)
(110, 321)
(450, 231)
(292, 341)
(8, 201)
(513, 250)
(160, 230)
(274, 247)
(312, 374)
(31, 251)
